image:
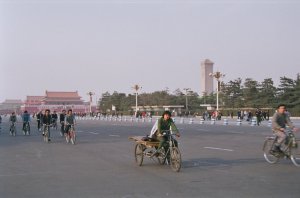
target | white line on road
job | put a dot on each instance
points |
(214, 148)
(235, 132)
(94, 133)
(202, 130)
(23, 174)
(114, 135)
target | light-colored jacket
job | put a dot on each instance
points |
(154, 129)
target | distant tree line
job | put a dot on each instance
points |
(233, 95)
(251, 93)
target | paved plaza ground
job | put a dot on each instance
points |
(217, 161)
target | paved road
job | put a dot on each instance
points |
(218, 161)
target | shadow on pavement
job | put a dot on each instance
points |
(219, 162)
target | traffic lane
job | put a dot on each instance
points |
(242, 162)
(85, 170)
(104, 162)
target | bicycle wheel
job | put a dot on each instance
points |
(46, 136)
(175, 159)
(139, 154)
(295, 154)
(68, 137)
(267, 148)
(61, 132)
(28, 130)
(13, 131)
(73, 137)
(161, 158)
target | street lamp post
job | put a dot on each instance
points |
(217, 75)
(186, 99)
(91, 99)
(136, 88)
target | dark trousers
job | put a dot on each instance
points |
(24, 124)
(62, 128)
(163, 142)
(39, 124)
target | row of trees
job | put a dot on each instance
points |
(233, 95)
(250, 93)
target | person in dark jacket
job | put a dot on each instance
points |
(279, 121)
(165, 123)
(62, 117)
(46, 121)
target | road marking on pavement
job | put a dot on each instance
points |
(235, 132)
(202, 130)
(23, 174)
(114, 135)
(94, 133)
(214, 148)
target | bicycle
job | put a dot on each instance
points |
(26, 129)
(54, 124)
(62, 129)
(291, 151)
(70, 134)
(46, 132)
(171, 155)
(13, 130)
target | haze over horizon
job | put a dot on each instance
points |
(101, 45)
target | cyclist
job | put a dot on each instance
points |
(12, 119)
(39, 118)
(165, 123)
(54, 118)
(46, 120)
(62, 121)
(279, 121)
(26, 119)
(69, 120)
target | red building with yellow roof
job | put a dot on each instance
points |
(56, 101)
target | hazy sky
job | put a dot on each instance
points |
(110, 45)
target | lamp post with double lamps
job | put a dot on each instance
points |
(187, 92)
(136, 88)
(217, 75)
(91, 100)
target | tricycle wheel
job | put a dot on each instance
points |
(162, 156)
(139, 154)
